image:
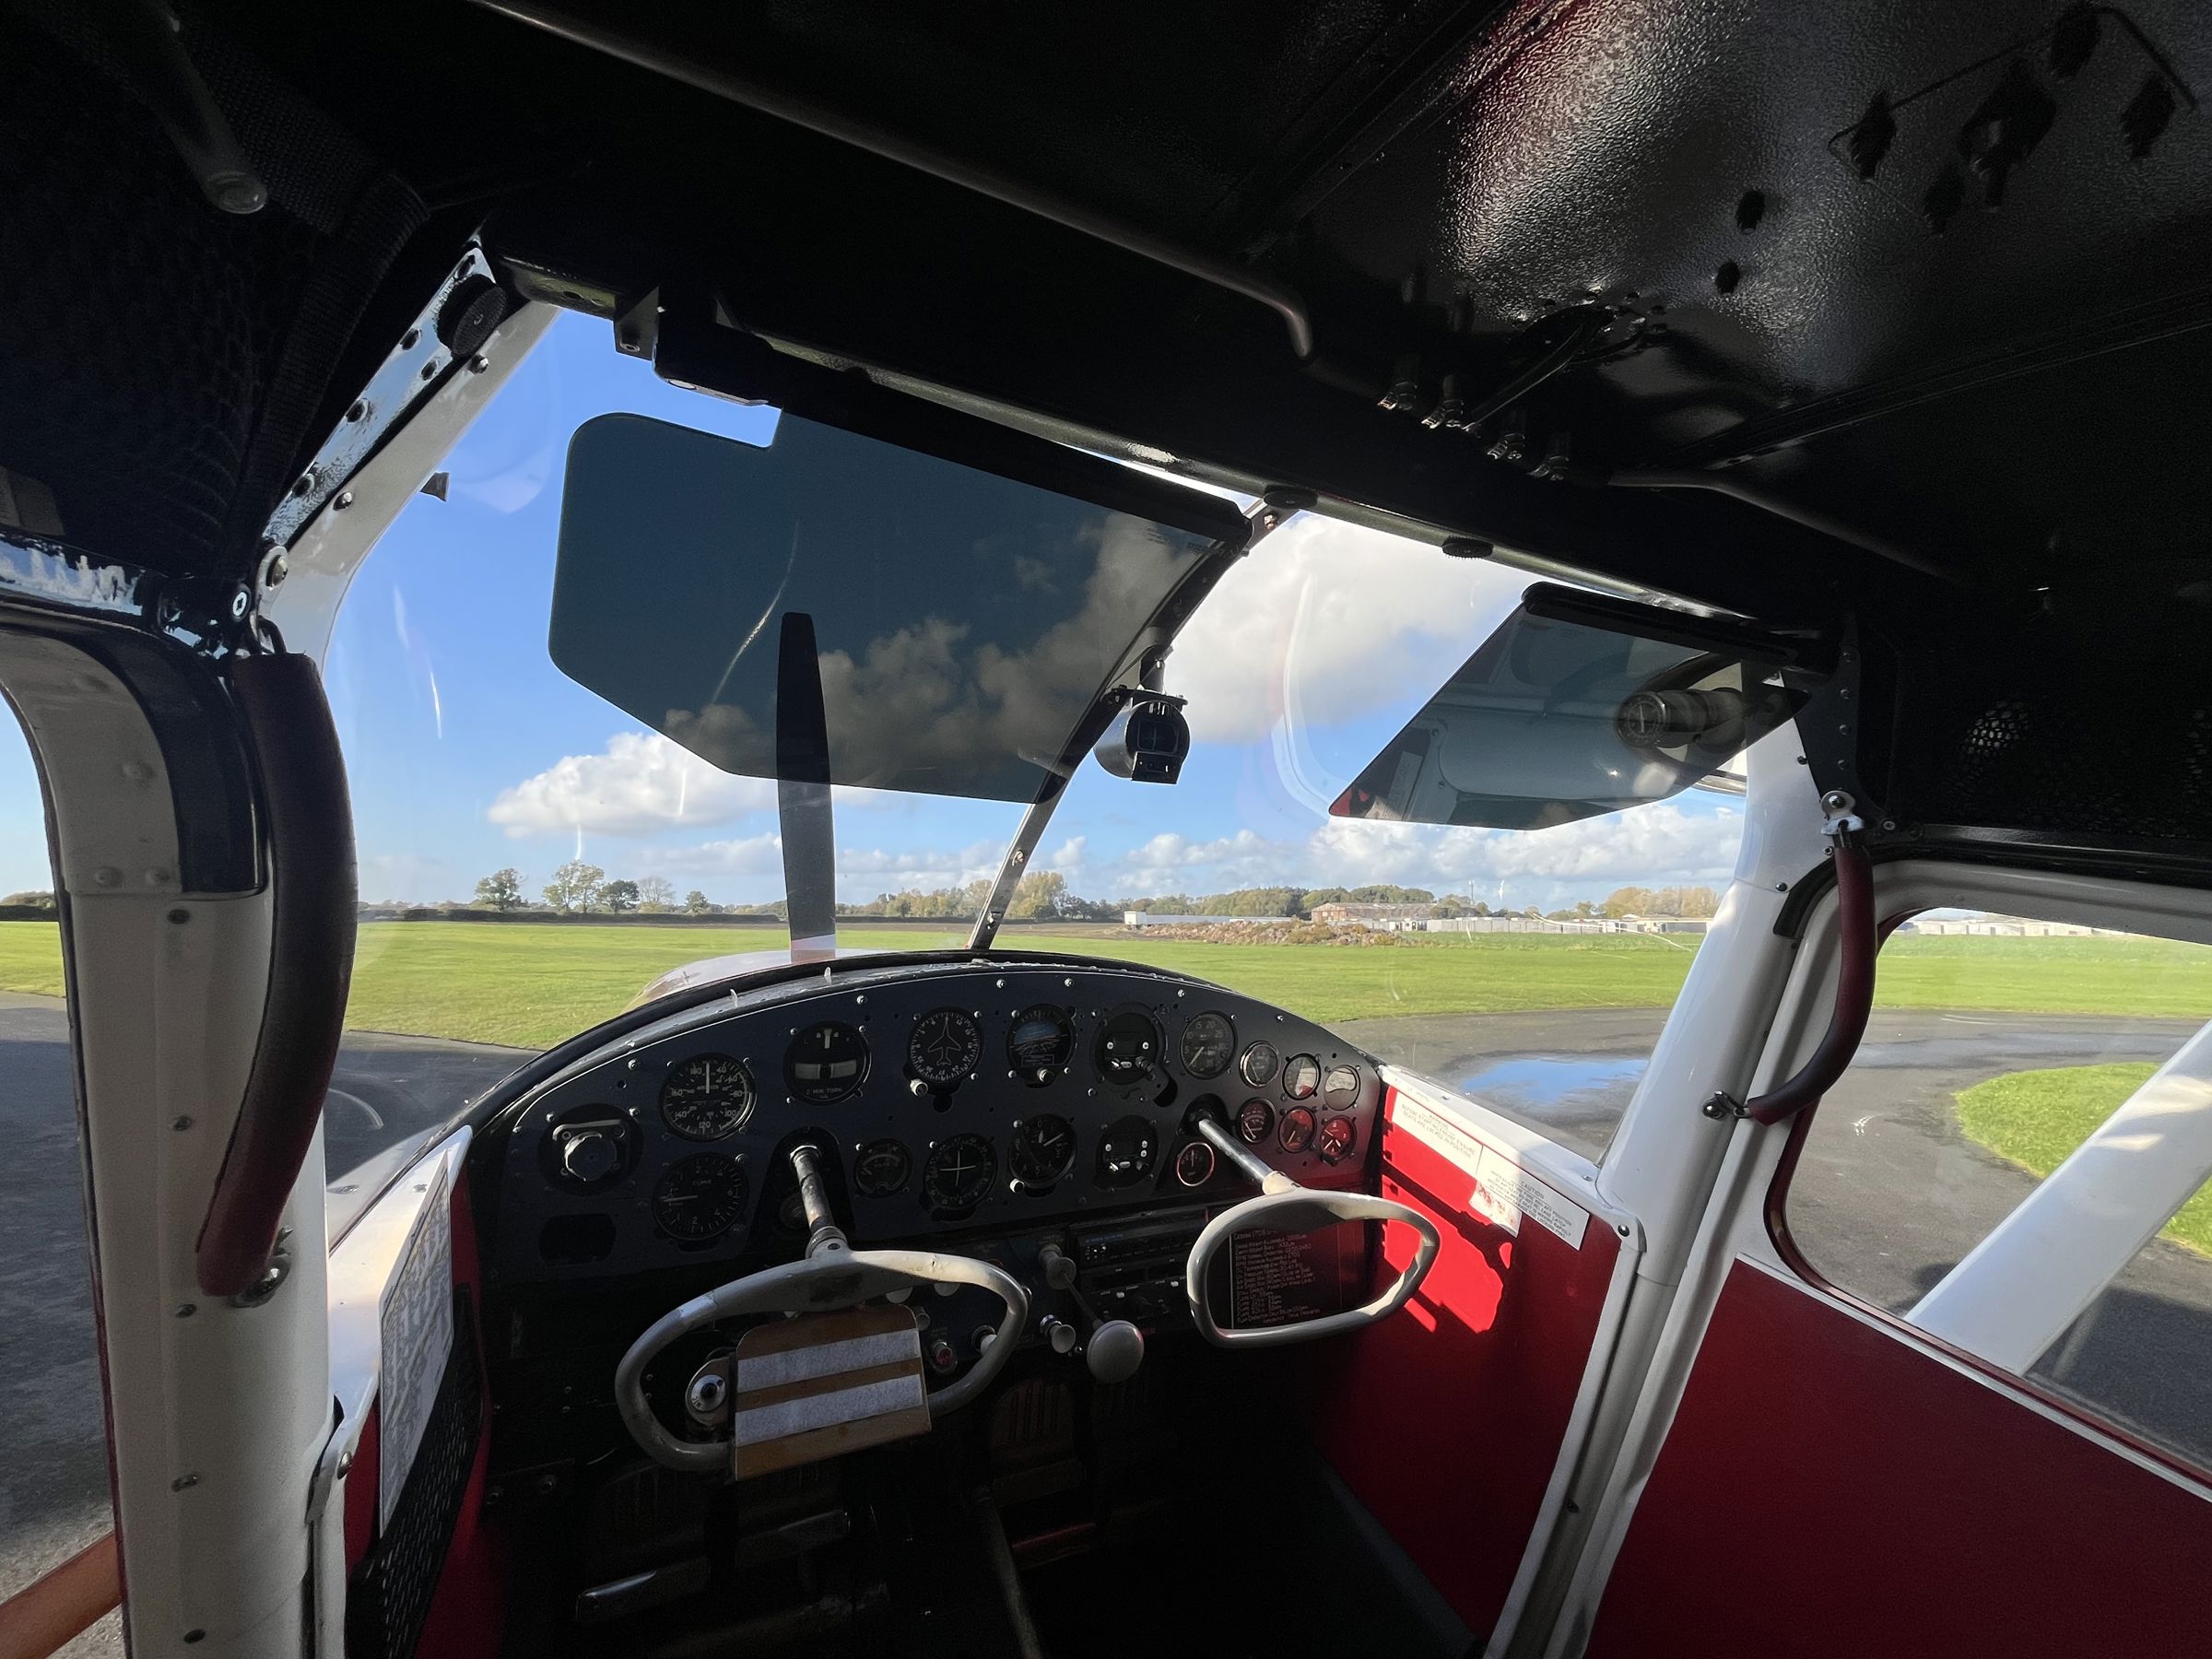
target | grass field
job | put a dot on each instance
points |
(2036, 1119)
(532, 985)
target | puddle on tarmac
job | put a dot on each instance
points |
(1557, 1084)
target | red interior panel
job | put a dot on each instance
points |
(1830, 1489)
(1447, 1420)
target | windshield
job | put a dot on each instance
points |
(534, 856)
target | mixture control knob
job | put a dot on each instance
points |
(591, 1155)
(1058, 1267)
(1116, 1349)
(1060, 1334)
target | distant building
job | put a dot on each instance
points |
(1383, 918)
(1683, 925)
(1527, 925)
(1999, 927)
(1161, 919)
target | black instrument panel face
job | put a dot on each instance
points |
(954, 1097)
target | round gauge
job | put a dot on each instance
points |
(881, 1167)
(1126, 1153)
(1209, 1042)
(1254, 1119)
(1340, 1089)
(1041, 1148)
(826, 1062)
(959, 1172)
(700, 1197)
(1295, 1133)
(944, 1047)
(1041, 1042)
(1337, 1134)
(1195, 1164)
(1127, 1047)
(1302, 1077)
(1260, 1063)
(707, 1097)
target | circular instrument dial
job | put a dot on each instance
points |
(944, 1047)
(1302, 1077)
(826, 1062)
(1340, 1089)
(1127, 1048)
(1041, 1044)
(1260, 1063)
(700, 1198)
(1296, 1132)
(707, 1097)
(959, 1172)
(1195, 1164)
(1209, 1042)
(880, 1168)
(1040, 1149)
(1337, 1134)
(1254, 1119)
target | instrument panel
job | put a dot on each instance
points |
(954, 1097)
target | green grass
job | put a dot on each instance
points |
(2036, 1119)
(532, 986)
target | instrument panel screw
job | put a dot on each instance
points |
(182, 1123)
(183, 1482)
(186, 1310)
(179, 916)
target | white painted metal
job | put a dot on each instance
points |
(2017, 1290)
(218, 1413)
(321, 562)
(1660, 1165)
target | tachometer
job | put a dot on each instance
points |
(1260, 1063)
(959, 1172)
(1209, 1042)
(1041, 1148)
(707, 1097)
(1041, 1042)
(944, 1047)
(826, 1062)
(1302, 1077)
(700, 1198)
(880, 1168)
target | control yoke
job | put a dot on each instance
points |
(1283, 1205)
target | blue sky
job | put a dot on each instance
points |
(469, 750)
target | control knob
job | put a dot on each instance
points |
(1114, 1351)
(590, 1155)
(1058, 1267)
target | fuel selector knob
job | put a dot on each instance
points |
(1114, 1351)
(589, 1155)
(1058, 1267)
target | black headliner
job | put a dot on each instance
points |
(1921, 286)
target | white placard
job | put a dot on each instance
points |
(415, 1315)
(1504, 1192)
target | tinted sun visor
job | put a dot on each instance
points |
(966, 622)
(1563, 714)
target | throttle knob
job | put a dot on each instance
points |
(1114, 1351)
(590, 1156)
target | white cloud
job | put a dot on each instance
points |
(638, 783)
(748, 855)
(862, 871)
(1329, 621)
(1661, 844)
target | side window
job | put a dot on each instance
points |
(1998, 1045)
(53, 1449)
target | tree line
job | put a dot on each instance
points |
(581, 889)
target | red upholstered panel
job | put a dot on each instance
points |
(1447, 1420)
(1831, 1488)
(468, 1616)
